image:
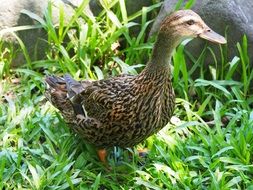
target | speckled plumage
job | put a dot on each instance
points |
(125, 110)
(120, 111)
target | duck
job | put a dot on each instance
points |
(125, 110)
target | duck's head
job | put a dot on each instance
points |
(187, 24)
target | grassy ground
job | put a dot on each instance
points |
(207, 145)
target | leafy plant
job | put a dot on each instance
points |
(207, 145)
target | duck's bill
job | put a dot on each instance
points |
(212, 36)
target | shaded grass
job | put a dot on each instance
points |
(207, 145)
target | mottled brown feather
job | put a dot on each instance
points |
(125, 110)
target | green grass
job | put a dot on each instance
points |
(208, 144)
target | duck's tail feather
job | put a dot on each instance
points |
(73, 87)
(59, 92)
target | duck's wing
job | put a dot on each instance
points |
(88, 98)
(99, 99)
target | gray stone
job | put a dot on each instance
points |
(218, 14)
(12, 15)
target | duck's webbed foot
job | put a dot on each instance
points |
(102, 154)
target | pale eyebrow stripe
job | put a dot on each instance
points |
(183, 19)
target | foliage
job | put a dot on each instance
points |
(207, 145)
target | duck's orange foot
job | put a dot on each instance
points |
(102, 154)
(143, 152)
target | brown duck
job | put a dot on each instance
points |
(125, 110)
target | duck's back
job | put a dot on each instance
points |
(122, 111)
(129, 108)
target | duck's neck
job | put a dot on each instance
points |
(161, 54)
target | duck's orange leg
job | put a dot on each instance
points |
(102, 155)
(143, 152)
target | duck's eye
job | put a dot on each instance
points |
(190, 22)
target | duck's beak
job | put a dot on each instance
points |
(212, 36)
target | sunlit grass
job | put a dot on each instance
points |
(207, 145)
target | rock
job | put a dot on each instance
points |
(12, 15)
(218, 14)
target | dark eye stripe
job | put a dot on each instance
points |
(190, 22)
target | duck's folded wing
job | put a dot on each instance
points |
(100, 98)
(97, 101)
